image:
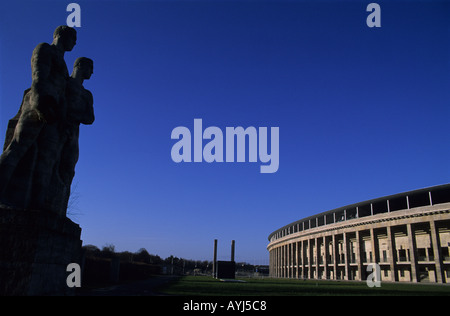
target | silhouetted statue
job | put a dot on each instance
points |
(37, 162)
(80, 110)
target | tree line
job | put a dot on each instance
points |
(174, 265)
(180, 265)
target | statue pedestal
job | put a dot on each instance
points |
(35, 249)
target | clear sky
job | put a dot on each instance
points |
(362, 112)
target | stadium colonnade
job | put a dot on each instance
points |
(407, 235)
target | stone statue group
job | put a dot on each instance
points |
(41, 146)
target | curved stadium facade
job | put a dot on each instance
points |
(406, 234)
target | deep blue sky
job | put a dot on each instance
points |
(362, 112)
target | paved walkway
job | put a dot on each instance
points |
(147, 287)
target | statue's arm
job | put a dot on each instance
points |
(88, 117)
(42, 97)
(41, 62)
(84, 111)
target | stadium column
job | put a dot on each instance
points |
(291, 260)
(437, 252)
(279, 261)
(275, 263)
(271, 268)
(270, 263)
(358, 256)
(296, 259)
(290, 264)
(391, 244)
(375, 250)
(286, 261)
(303, 255)
(316, 242)
(280, 248)
(299, 258)
(335, 264)
(310, 259)
(325, 257)
(346, 266)
(412, 252)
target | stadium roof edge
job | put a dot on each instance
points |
(354, 205)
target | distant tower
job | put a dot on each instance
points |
(232, 250)
(215, 259)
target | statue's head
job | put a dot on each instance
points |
(85, 66)
(65, 35)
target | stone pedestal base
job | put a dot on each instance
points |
(35, 249)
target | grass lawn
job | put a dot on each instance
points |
(208, 286)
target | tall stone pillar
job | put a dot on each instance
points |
(293, 260)
(285, 254)
(392, 252)
(297, 253)
(270, 263)
(273, 272)
(316, 242)
(215, 259)
(335, 254)
(325, 257)
(286, 261)
(375, 247)
(346, 261)
(274, 263)
(277, 262)
(359, 262)
(233, 244)
(289, 260)
(280, 261)
(303, 258)
(412, 252)
(437, 252)
(310, 259)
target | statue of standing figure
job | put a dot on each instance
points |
(80, 110)
(39, 157)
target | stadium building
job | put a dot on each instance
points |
(406, 234)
